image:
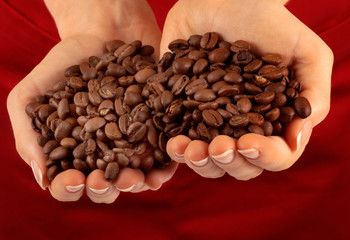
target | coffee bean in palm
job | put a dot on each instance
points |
(209, 40)
(302, 107)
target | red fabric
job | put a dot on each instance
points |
(308, 201)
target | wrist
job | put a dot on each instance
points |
(100, 18)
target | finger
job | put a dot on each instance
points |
(129, 180)
(197, 158)
(272, 153)
(176, 147)
(222, 150)
(156, 177)
(68, 186)
(99, 190)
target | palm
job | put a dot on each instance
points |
(269, 27)
(73, 50)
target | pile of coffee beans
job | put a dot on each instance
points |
(221, 88)
(109, 109)
(96, 117)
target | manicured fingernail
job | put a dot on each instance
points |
(225, 157)
(74, 189)
(99, 191)
(200, 163)
(249, 153)
(179, 156)
(37, 173)
(304, 134)
(126, 189)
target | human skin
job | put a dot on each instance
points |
(269, 27)
(84, 27)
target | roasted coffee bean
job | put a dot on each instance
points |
(180, 85)
(66, 164)
(120, 107)
(126, 81)
(253, 66)
(209, 41)
(41, 140)
(175, 108)
(68, 142)
(91, 162)
(222, 101)
(252, 89)
(260, 81)
(124, 123)
(191, 104)
(219, 55)
(197, 55)
(101, 164)
(286, 114)
(166, 98)
(239, 121)
(229, 90)
(212, 118)
(291, 93)
(93, 124)
(256, 129)
(208, 105)
(81, 99)
(132, 98)
(113, 45)
(255, 118)
(240, 45)
(182, 65)
(49, 146)
(194, 40)
(242, 58)
(108, 156)
(205, 95)
(63, 130)
(88, 72)
(302, 107)
(141, 116)
(263, 108)
(267, 128)
(225, 114)
(80, 165)
(239, 132)
(272, 58)
(270, 72)
(233, 77)
(90, 146)
(226, 129)
(244, 105)
(112, 131)
(216, 76)
(105, 107)
(136, 132)
(43, 111)
(142, 75)
(203, 132)
(272, 115)
(73, 70)
(264, 97)
(195, 86)
(232, 108)
(276, 87)
(280, 100)
(200, 66)
(178, 44)
(59, 153)
(52, 172)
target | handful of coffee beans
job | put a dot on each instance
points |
(112, 108)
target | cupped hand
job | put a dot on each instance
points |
(83, 34)
(269, 27)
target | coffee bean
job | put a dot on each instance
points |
(180, 85)
(272, 115)
(59, 153)
(63, 130)
(233, 77)
(286, 114)
(52, 172)
(264, 97)
(132, 98)
(41, 140)
(81, 99)
(197, 55)
(239, 121)
(205, 95)
(219, 55)
(72, 71)
(87, 71)
(256, 129)
(253, 66)
(66, 164)
(261, 108)
(142, 75)
(209, 41)
(208, 105)
(216, 76)
(212, 118)
(240, 45)
(136, 132)
(232, 108)
(200, 66)
(93, 124)
(195, 86)
(113, 45)
(80, 165)
(229, 90)
(182, 65)
(302, 107)
(244, 105)
(270, 72)
(242, 58)
(252, 89)
(291, 93)
(68, 142)
(267, 128)
(178, 44)
(112, 131)
(255, 118)
(272, 58)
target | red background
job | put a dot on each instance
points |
(308, 201)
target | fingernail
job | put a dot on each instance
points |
(304, 134)
(99, 191)
(37, 173)
(179, 156)
(249, 153)
(126, 189)
(156, 189)
(200, 163)
(225, 157)
(74, 189)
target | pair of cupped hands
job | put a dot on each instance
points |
(85, 26)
